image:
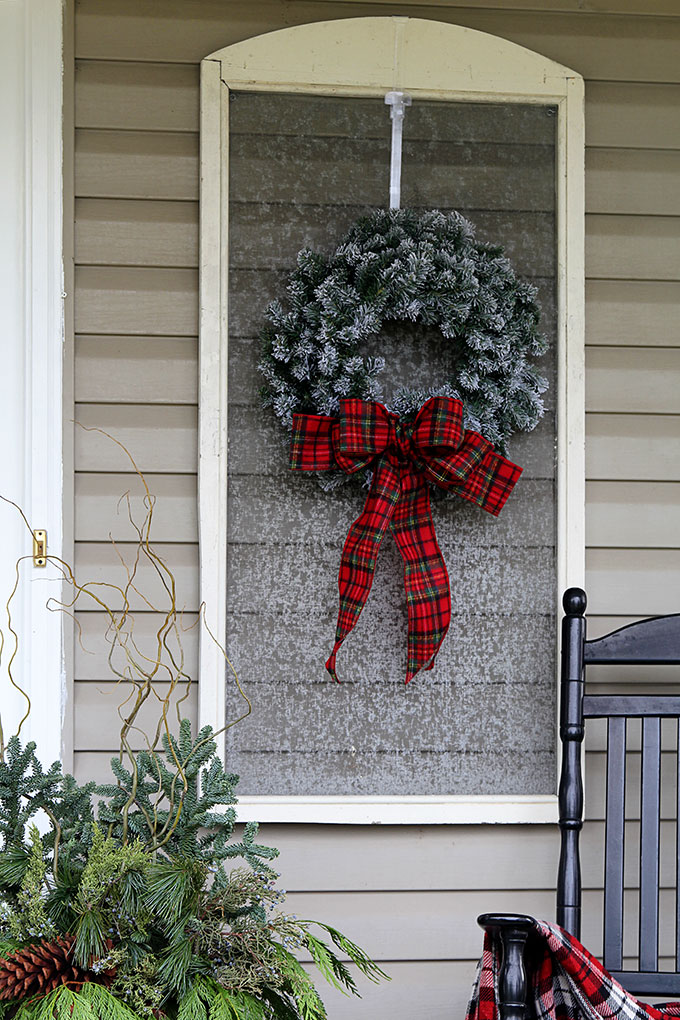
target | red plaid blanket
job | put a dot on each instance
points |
(568, 984)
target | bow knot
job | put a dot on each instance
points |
(405, 456)
(400, 446)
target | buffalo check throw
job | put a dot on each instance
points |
(405, 458)
(568, 984)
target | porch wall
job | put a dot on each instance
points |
(409, 894)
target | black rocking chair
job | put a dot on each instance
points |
(652, 642)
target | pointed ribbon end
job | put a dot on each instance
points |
(330, 665)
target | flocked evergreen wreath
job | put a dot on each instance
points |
(425, 268)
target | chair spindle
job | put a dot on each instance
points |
(649, 843)
(614, 842)
(677, 850)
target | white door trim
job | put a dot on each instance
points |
(32, 328)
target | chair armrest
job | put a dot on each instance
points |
(513, 930)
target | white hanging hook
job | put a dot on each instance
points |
(397, 101)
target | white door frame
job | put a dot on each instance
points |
(369, 57)
(32, 377)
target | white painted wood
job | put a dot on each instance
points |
(212, 421)
(435, 810)
(371, 56)
(31, 323)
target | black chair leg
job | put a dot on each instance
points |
(513, 930)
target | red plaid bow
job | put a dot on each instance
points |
(405, 457)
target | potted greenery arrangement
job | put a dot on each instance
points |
(137, 900)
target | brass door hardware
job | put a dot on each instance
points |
(39, 548)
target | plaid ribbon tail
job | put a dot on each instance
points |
(360, 552)
(426, 579)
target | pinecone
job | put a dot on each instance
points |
(42, 967)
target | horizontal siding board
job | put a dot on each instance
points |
(136, 301)
(98, 708)
(99, 563)
(643, 582)
(633, 380)
(119, 30)
(475, 177)
(295, 507)
(635, 447)
(318, 123)
(136, 164)
(633, 181)
(383, 918)
(136, 97)
(92, 647)
(165, 98)
(136, 233)
(267, 237)
(633, 247)
(443, 857)
(305, 635)
(120, 232)
(638, 313)
(596, 782)
(101, 510)
(632, 114)
(163, 439)
(162, 165)
(363, 773)
(633, 514)
(255, 579)
(322, 719)
(136, 370)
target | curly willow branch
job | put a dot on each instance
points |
(139, 672)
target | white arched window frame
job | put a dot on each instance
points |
(369, 57)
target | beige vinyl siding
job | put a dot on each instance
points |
(409, 894)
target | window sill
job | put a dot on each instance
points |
(375, 810)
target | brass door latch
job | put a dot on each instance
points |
(39, 548)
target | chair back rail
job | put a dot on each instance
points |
(649, 642)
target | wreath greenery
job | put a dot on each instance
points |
(394, 266)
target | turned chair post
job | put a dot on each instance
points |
(571, 779)
(513, 931)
